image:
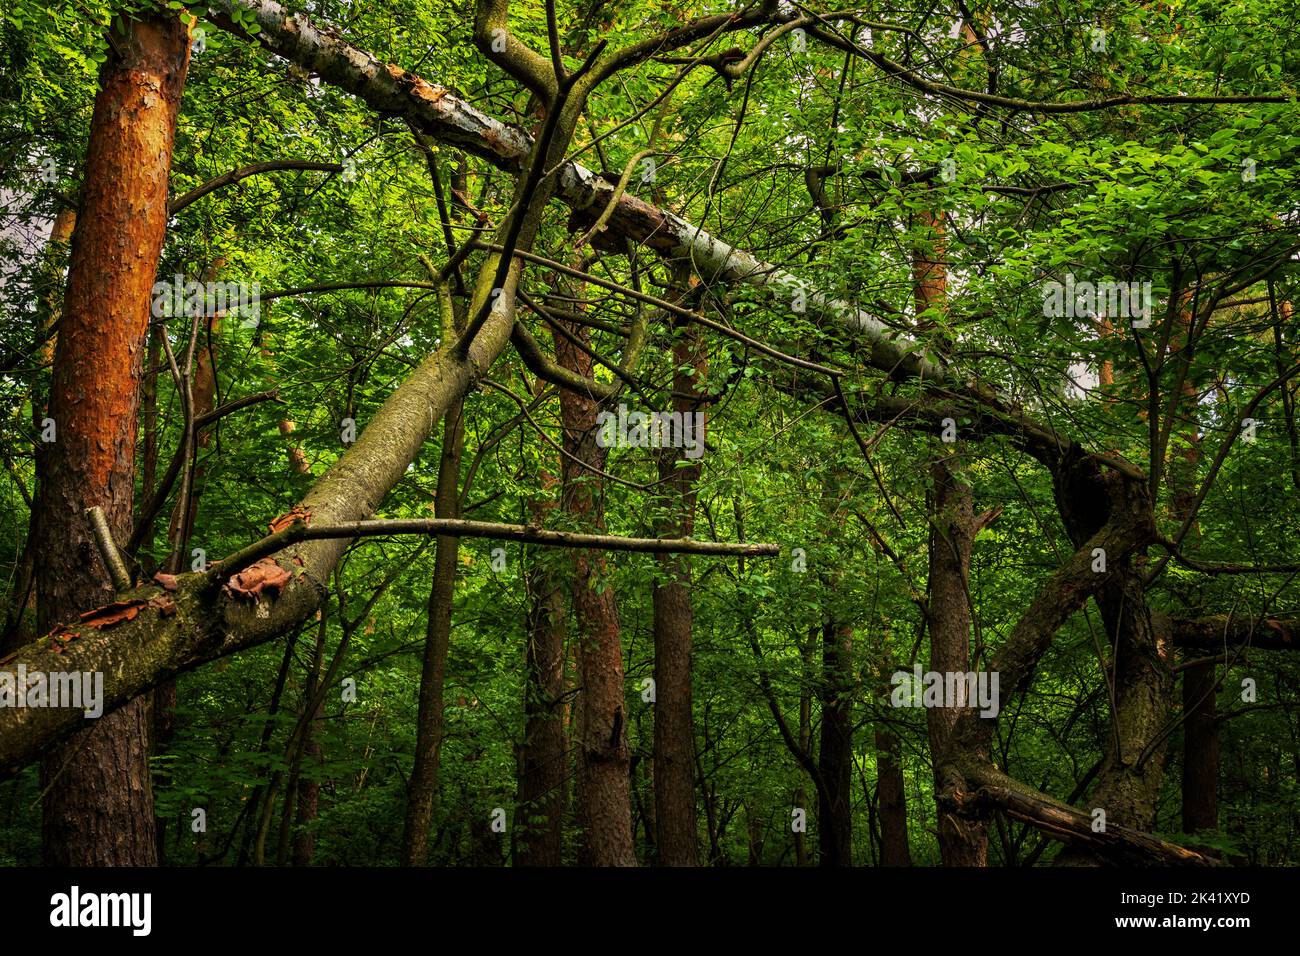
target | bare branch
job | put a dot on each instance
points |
(464, 528)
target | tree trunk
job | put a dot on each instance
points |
(891, 789)
(603, 794)
(891, 792)
(807, 657)
(1128, 783)
(835, 753)
(304, 839)
(952, 529)
(961, 842)
(674, 735)
(543, 758)
(98, 802)
(1200, 681)
(1200, 749)
(424, 774)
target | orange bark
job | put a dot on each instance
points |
(99, 803)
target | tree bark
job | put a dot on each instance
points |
(424, 774)
(304, 839)
(543, 758)
(676, 829)
(891, 792)
(835, 746)
(952, 531)
(961, 842)
(1200, 749)
(98, 808)
(604, 799)
(891, 789)
(1128, 783)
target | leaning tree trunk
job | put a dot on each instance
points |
(1132, 771)
(98, 801)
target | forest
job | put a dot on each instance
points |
(664, 433)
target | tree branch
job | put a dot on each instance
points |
(1223, 631)
(464, 528)
(235, 175)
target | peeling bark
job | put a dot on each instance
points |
(98, 806)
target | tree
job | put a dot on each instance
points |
(99, 804)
